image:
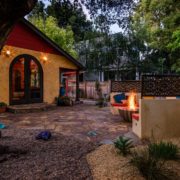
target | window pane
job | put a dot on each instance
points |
(18, 80)
(34, 80)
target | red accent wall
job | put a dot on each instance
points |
(22, 36)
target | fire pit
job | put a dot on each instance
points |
(126, 112)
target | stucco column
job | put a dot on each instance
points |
(77, 85)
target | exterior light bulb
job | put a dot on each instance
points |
(45, 58)
(8, 52)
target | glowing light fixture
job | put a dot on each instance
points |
(7, 51)
(44, 58)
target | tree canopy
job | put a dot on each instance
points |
(62, 36)
(159, 20)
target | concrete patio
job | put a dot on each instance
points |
(80, 121)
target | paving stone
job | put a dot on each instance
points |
(106, 141)
(74, 121)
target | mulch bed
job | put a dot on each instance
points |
(23, 157)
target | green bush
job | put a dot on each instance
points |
(123, 145)
(151, 168)
(2, 104)
(64, 101)
(164, 150)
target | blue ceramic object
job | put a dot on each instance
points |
(44, 135)
(2, 126)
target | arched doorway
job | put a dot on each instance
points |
(26, 80)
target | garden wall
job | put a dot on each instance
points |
(159, 119)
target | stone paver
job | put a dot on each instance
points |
(74, 121)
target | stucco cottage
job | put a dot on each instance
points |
(31, 66)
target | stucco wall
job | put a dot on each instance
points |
(50, 73)
(159, 119)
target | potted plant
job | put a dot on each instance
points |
(64, 101)
(3, 107)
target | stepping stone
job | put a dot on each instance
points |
(106, 141)
(135, 139)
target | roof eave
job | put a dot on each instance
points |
(53, 44)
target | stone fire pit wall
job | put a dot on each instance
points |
(159, 119)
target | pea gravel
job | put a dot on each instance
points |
(61, 158)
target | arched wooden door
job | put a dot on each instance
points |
(26, 80)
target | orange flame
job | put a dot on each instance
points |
(131, 101)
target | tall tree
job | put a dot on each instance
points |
(38, 11)
(161, 21)
(116, 11)
(10, 12)
(63, 37)
(70, 13)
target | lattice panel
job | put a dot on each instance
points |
(125, 86)
(161, 85)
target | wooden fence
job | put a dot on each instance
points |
(87, 89)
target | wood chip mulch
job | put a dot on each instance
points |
(24, 157)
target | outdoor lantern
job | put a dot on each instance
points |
(7, 51)
(44, 58)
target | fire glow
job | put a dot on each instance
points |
(131, 101)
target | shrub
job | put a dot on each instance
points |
(151, 168)
(164, 150)
(64, 101)
(123, 145)
(2, 104)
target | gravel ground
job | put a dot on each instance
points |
(62, 158)
(107, 164)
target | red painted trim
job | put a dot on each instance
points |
(71, 80)
(69, 73)
(67, 87)
(24, 37)
(135, 116)
(118, 105)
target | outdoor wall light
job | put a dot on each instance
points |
(44, 58)
(7, 51)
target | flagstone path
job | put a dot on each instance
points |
(85, 122)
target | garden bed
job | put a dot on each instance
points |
(107, 164)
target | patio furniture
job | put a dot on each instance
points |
(114, 104)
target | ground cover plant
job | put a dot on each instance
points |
(164, 150)
(151, 160)
(123, 145)
(151, 168)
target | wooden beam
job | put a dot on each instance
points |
(77, 85)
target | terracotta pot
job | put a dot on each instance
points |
(2, 109)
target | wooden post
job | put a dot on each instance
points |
(77, 85)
